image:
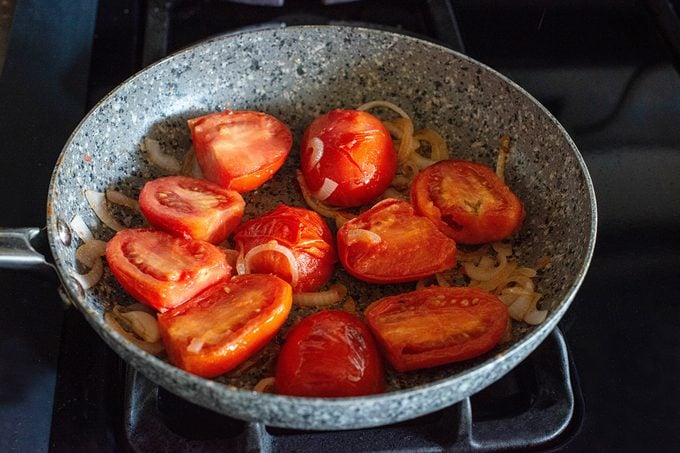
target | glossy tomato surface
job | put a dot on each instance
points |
(240, 150)
(269, 241)
(435, 326)
(467, 201)
(390, 244)
(347, 158)
(329, 354)
(162, 270)
(225, 324)
(192, 208)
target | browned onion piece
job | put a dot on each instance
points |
(321, 298)
(159, 158)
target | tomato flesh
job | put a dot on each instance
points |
(162, 270)
(436, 326)
(224, 325)
(301, 231)
(390, 244)
(467, 201)
(192, 208)
(350, 149)
(329, 354)
(240, 150)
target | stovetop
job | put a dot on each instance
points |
(601, 67)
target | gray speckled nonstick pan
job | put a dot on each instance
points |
(295, 74)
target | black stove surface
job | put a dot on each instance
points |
(602, 69)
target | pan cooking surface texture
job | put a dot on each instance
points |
(296, 74)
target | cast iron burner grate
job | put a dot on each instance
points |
(536, 406)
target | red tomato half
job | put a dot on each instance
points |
(390, 244)
(467, 201)
(329, 354)
(192, 208)
(271, 241)
(435, 326)
(162, 270)
(227, 323)
(240, 150)
(347, 158)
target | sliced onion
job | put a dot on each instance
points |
(326, 190)
(273, 246)
(81, 229)
(97, 201)
(420, 161)
(482, 272)
(386, 104)
(91, 278)
(321, 298)
(142, 324)
(195, 345)
(159, 158)
(535, 317)
(355, 235)
(318, 206)
(121, 199)
(520, 307)
(503, 152)
(232, 257)
(190, 166)
(154, 348)
(317, 152)
(265, 385)
(89, 251)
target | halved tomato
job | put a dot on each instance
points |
(162, 270)
(240, 150)
(390, 244)
(192, 208)
(293, 243)
(347, 158)
(435, 326)
(227, 323)
(467, 201)
(329, 354)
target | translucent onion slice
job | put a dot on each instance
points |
(321, 298)
(326, 190)
(387, 104)
(159, 158)
(317, 152)
(535, 317)
(97, 201)
(154, 348)
(520, 307)
(503, 151)
(79, 226)
(361, 235)
(92, 277)
(142, 323)
(89, 251)
(121, 199)
(273, 246)
(265, 385)
(190, 166)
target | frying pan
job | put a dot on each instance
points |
(296, 74)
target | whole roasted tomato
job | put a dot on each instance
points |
(467, 201)
(347, 158)
(390, 244)
(329, 354)
(162, 270)
(193, 208)
(435, 326)
(240, 150)
(293, 243)
(225, 324)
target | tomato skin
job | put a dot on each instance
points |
(329, 354)
(302, 231)
(191, 208)
(410, 248)
(240, 150)
(233, 319)
(162, 270)
(358, 155)
(436, 326)
(467, 201)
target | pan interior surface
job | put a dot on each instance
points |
(296, 74)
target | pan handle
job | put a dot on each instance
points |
(19, 249)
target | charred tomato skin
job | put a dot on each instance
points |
(329, 354)
(436, 326)
(357, 154)
(467, 201)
